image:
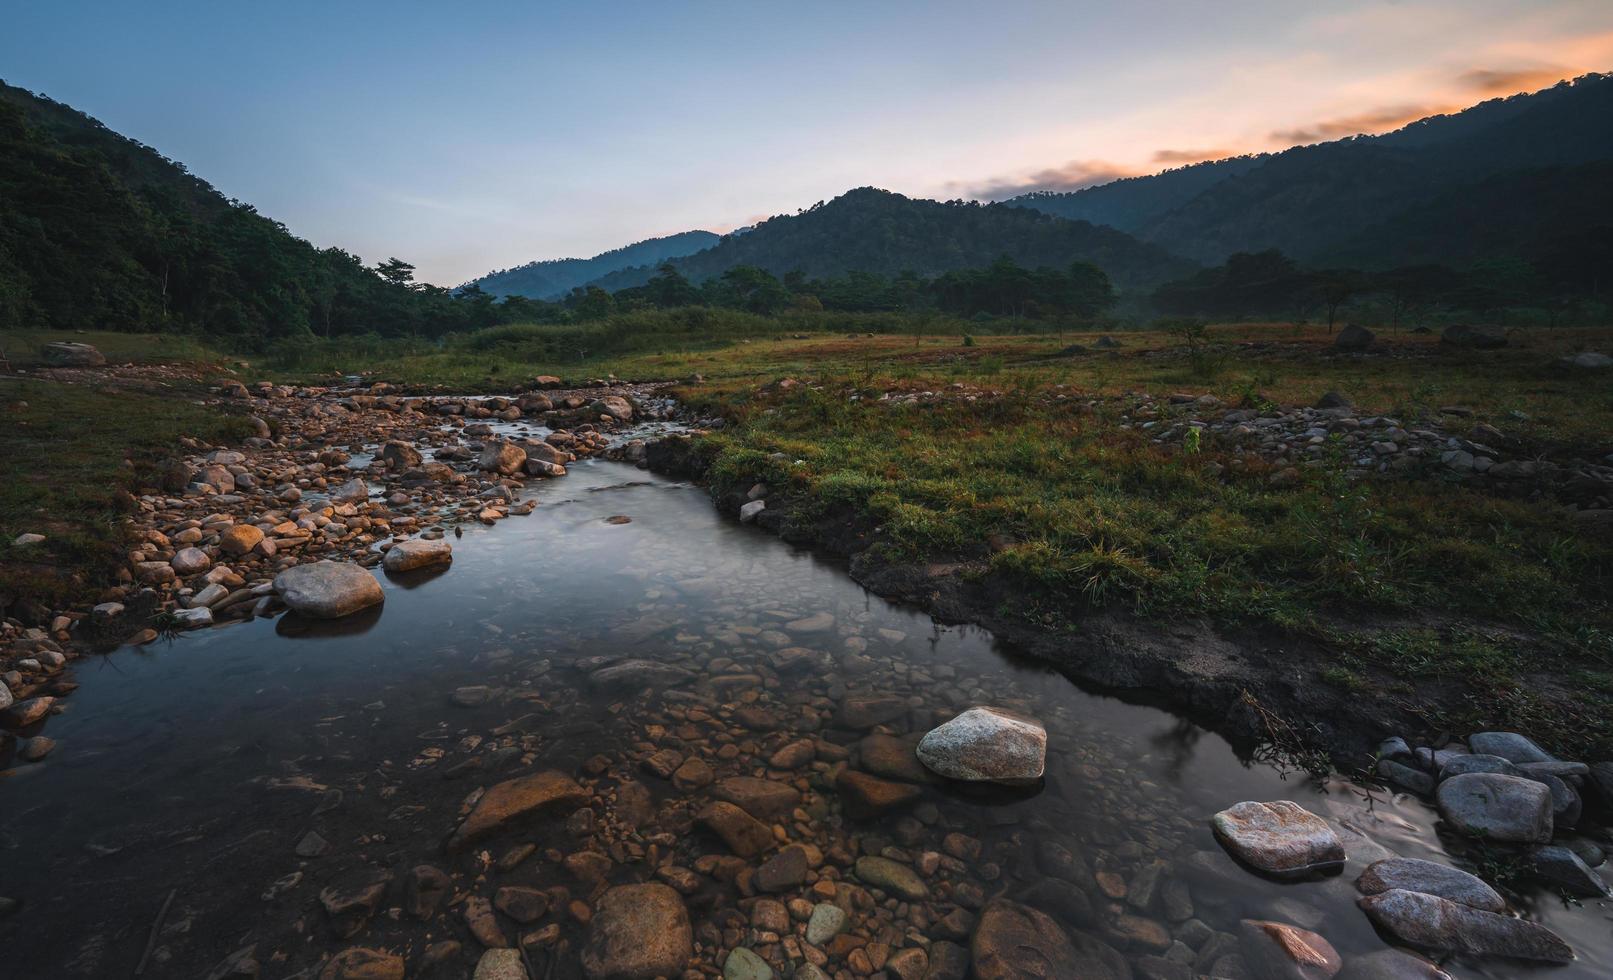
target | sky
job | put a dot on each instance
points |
(480, 135)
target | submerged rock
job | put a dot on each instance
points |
(1431, 922)
(327, 589)
(514, 799)
(636, 674)
(1391, 964)
(1279, 838)
(1279, 950)
(892, 876)
(639, 932)
(987, 745)
(1016, 942)
(1497, 806)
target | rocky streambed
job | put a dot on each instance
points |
(665, 745)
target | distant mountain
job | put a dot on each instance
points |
(1361, 196)
(870, 230)
(553, 278)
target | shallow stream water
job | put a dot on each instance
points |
(194, 769)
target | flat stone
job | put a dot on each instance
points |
(1563, 868)
(893, 758)
(515, 799)
(639, 674)
(1496, 806)
(863, 796)
(1279, 950)
(638, 932)
(1280, 838)
(362, 963)
(764, 799)
(1429, 878)
(826, 922)
(1391, 964)
(784, 871)
(742, 964)
(328, 589)
(892, 876)
(744, 834)
(1477, 763)
(987, 745)
(406, 556)
(521, 903)
(866, 711)
(1406, 777)
(352, 901)
(1016, 942)
(1431, 922)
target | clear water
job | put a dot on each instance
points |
(178, 763)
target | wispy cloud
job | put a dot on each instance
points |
(1376, 120)
(1072, 176)
(1191, 156)
(1508, 81)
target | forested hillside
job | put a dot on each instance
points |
(1360, 196)
(98, 231)
(878, 232)
(553, 278)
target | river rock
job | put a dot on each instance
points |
(742, 964)
(239, 539)
(893, 758)
(398, 455)
(639, 932)
(351, 902)
(1016, 942)
(1353, 338)
(1477, 762)
(352, 492)
(615, 406)
(892, 876)
(189, 561)
(1429, 878)
(505, 458)
(826, 922)
(785, 870)
(761, 798)
(1508, 745)
(987, 745)
(860, 711)
(1391, 964)
(406, 556)
(515, 799)
(500, 964)
(639, 674)
(744, 834)
(1280, 838)
(863, 796)
(327, 589)
(1435, 923)
(362, 963)
(1504, 808)
(1564, 868)
(1279, 951)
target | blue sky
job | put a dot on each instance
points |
(482, 135)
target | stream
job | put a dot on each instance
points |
(192, 772)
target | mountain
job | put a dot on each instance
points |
(99, 231)
(554, 278)
(1359, 196)
(871, 230)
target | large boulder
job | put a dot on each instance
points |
(505, 458)
(1280, 838)
(1353, 338)
(1431, 922)
(398, 455)
(1016, 942)
(327, 589)
(1477, 338)
(517, 799)
(638, 932)
(615, 406)
(67, 353)
(987, 745)
(1497, 806)
(406, 556)
(1508, 745)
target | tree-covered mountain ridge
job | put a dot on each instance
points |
(1346, 198)
(553, 278)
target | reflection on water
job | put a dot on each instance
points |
(201, 767)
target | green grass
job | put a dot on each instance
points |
(65, 452)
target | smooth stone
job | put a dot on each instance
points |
(1280, 951)
(1278, 838)
(518, 798)
(987, 745)
(638, 932)
(783, 871)
(863, 796)
(500, 964)
(827, 922)
(1391, 964)
(893, 758)
(1562, 867)
(1016, 942)
(1505, 808)
(1431, 922)
(1478, 763)
(361, 963)
(742, 964)
(744, 834)
(639, 674)
(1406, 777)
(328, 589)
(1429, 878)
(764, 799)
(406, 556)
(1509, 746)
(892, 876)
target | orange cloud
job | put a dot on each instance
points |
(1073, 176)
(1372, 121)
(1509, 81)
(1191, 156)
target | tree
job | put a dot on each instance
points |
(1334, 287)
(395, 271)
